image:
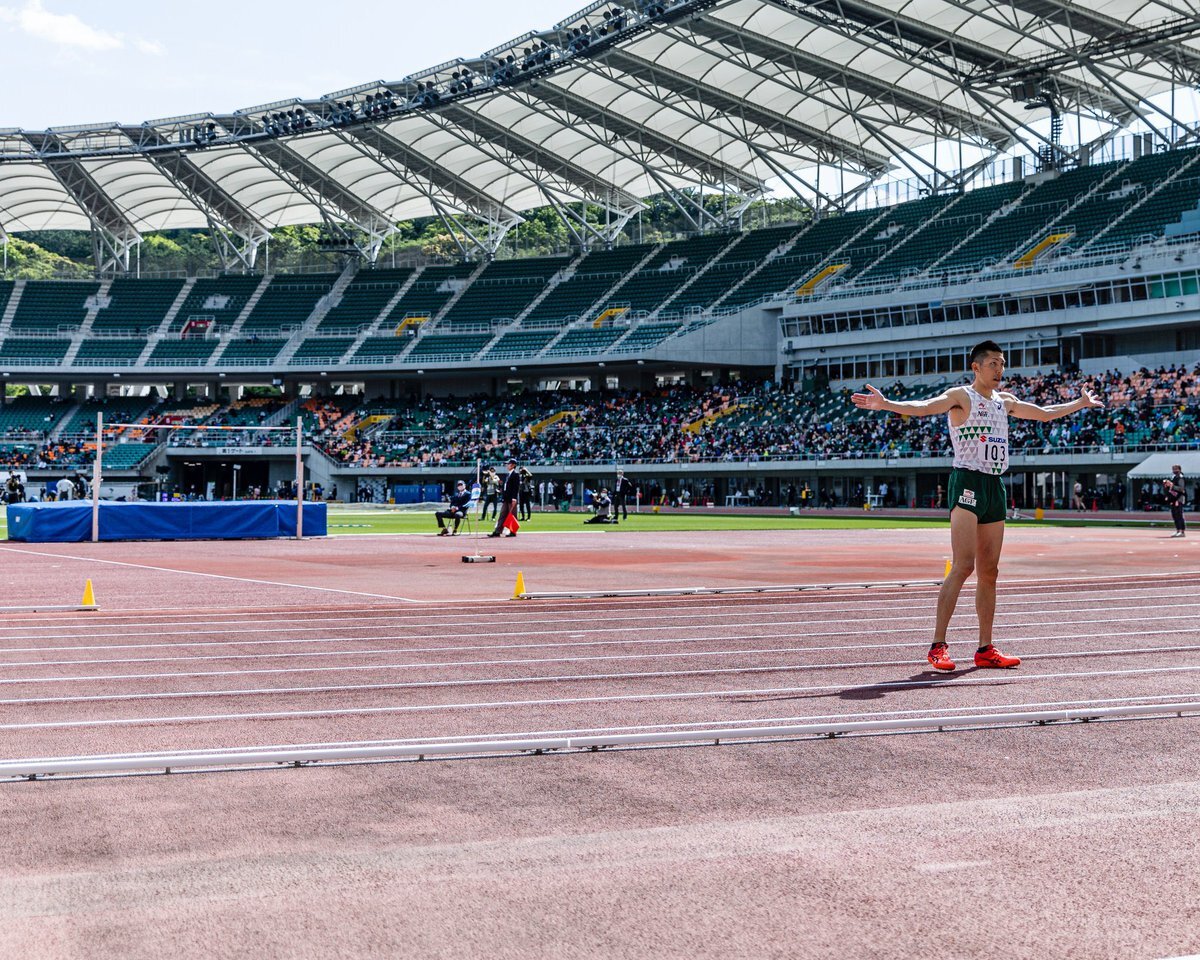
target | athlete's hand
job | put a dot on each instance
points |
(871, 400)
(1090, 398)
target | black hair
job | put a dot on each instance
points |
(980, 350)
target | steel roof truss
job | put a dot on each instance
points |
(113, 233)
(338, 205)
(710, 167)
(449, 194)
(730, 105)
(474, 128)
(806, 62)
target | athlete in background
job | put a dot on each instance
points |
(978, 416)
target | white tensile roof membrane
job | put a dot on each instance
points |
(723, 95)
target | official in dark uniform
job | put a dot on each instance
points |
(623, 490)
(1175, 496)
(457, 510)
(510, 495)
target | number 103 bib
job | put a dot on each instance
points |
(982, 442)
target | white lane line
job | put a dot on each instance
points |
(647, 727)
(1102, 619)
(215, 576)
(607, 642)
(511, 615)
(544, 661)
(1005, 678)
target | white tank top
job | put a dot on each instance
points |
(981, 443)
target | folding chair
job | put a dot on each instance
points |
(470, 508)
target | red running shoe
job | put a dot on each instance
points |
(939, 657)
(991, 657)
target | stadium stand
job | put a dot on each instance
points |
(49, 306)
(501, 292)
(285, 304)
(363, 301)
(136, 306)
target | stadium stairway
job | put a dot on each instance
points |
(372, 329)
(607, 299)
(1062, 223)
(837, 255)
(94, 304)
(168, 319)
(236, 329)
(999, 212)
(319, 312)
(711, 262)
(10, 308)
(563, 275)
(1150, 211)
(782, 250)
(458, 294)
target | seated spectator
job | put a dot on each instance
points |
(456, 511)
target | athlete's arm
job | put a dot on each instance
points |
(1031, 411)
(942, 403)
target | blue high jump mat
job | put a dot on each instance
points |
(70, 521)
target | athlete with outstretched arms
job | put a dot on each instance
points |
(978, 416)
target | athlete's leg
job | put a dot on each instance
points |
(963, 525)
(989, 539)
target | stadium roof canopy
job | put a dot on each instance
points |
(624, 100)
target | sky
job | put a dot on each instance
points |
(69, 62)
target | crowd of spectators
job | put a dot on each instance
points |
(736, 422)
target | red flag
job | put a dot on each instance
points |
(510, 523)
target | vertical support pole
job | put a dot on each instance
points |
(96, 478)
(299, 481)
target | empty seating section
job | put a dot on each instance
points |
(817, 243)
(520, 343)
(53, 306)
(644, 336)
(1009, 236)
(136, 306)
(588, 340)
(216, 301)
(286, 304)
(46, 352)
(732, 268)
(109, 353)
(252, 352)
(596, 273)
(900, 222)
(193, 352)
(381, 349)
(1164, 207)
(432, 348)
(6, 289)
(668, 270)
(429, 293)
(126, 456)
(953, 225)
(363, 300)
(327, 350)
(502, 291)
(31, 415)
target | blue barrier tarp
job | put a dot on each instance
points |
(70, 521)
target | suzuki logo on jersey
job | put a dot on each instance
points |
(992, 440)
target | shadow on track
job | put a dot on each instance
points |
(877, 691)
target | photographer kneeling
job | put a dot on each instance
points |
(603, 505)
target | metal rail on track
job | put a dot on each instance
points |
(32, 769)
(690, 591)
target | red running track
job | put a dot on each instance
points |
(814, 849)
